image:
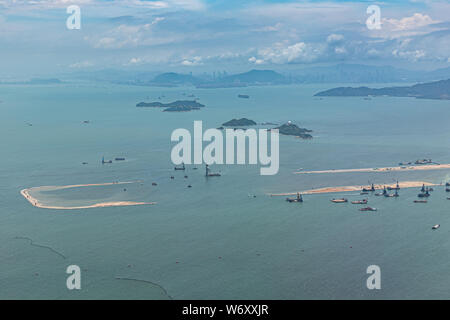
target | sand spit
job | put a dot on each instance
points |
(35, 202)
(386, 169)
(405, 184)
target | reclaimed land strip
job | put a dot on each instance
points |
(35, 202)
(404, 184)
(386, 169)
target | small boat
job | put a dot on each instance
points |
(180, 168)
(106, 161)
(387, 195)
(119, 159)
(378, 194)
(154, 184)
(423, 195)
(447, 184)
(436, 226)
(397, 187)
(172, 177)
(420, 201)
(342, 200)
(298, 199)
(447, 189)
(372, 188)
(364, 192)
(368, 209)
(364, 201)
(189, 186)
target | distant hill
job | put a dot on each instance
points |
(250, 78)
(353, 73)
(172, 78)
(257, 77)
(431, 90)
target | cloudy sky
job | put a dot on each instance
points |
(232, 35)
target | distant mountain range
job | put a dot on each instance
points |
(431, 90)
(341, 73)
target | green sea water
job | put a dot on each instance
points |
(214, 241)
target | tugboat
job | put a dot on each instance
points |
(180, 168)
(425, 194)
(395, 195)
(397, 187)
(372, 188)
(105, 161)
(342, 200)
(423, 161)
(364, 201)
(298, 199)
(209, 174)
(368, 209)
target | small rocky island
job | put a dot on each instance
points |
(291, 129)
(176, 106)
(244, 122)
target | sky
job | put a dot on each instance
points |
(207, 35)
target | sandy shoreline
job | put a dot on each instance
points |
(386, 169)
(26, 194)
(403, 185)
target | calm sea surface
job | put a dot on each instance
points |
(214, 241)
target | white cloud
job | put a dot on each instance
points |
(295, 53)
(413, 55)
(417, 20)
(81, 64)
(129, 36)
(256, 61)
(417, 24)
(134, 61)
(192, 62)
(333, 38)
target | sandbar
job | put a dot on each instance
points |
(404, 184)
(35, 202)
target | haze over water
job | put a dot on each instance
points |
(214, 241)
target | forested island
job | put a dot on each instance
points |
(431, 90)
(291, 129)
(239, 123)
(176, 106)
